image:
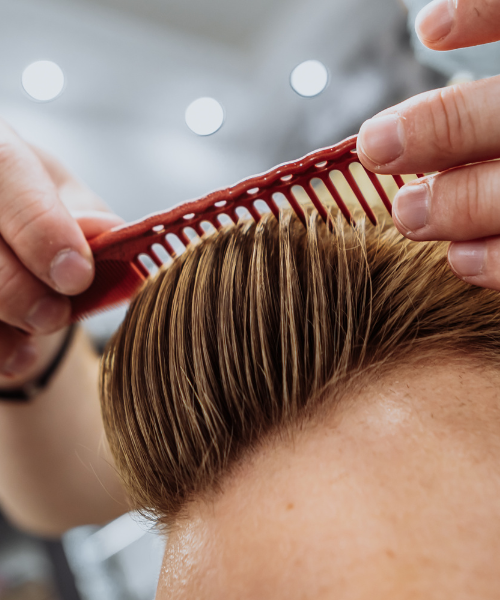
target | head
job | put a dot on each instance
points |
(312, 413)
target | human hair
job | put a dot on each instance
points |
(258, 327)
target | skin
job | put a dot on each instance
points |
(44, 211)
(395, 496)
(441, 130)
(45, 214)
(56, 470)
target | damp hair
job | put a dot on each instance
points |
(260, 326)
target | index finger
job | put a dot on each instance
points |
(435, 130)
(35, 223)
(450, 24)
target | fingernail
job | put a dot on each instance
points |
(21, 360)
(411, 207)
(381, 139)
(49, 314)
(435, 21)
(71, 272)
(467, 258)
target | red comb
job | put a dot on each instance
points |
(118, 254)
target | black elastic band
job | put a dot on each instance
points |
(32, 388)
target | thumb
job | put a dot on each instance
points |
(450, 24)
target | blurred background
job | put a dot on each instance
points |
(152, 102)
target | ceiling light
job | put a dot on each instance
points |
(309, 78)
(43, 80)
(204, 116)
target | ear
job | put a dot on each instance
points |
(95, 222)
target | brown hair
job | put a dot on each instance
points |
(259, 325)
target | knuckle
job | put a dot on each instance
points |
(11, 287)
(12, 149)
(465, 202)
(476, 199)
(470, 204)
(8, 155)
(27, 218)
(451, 121)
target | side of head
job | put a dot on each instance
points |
(261, 331)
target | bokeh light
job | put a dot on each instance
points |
(204, 116)
(43, 80)
(309, 78)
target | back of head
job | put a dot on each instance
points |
(257, 328)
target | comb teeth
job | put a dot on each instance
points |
(126, 256)
(115, 282)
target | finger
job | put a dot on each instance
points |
(449, 24)
(17, 352)
(75, 195)
(25, 302)
(457, 205)
(94, 222)
(35, 223)
(435, 130)
(89, 210)
(477, 262)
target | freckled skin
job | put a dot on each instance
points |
(395, 497)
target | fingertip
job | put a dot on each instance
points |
(365, 161)
(410, 209)
(468, 259)
(72, 272)
(476, 262)
(435, 22)
(381, 141)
